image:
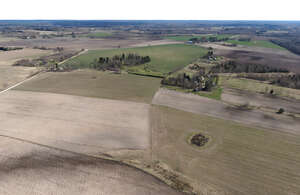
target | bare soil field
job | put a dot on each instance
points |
(81, 124)
(28, 168)
(200, 105)
(256, 55)
(92, 83)
(86, 43)
(156, 42)
(241, 97)
(9, 74)
(238, 159)
(9, 57)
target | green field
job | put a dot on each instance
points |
(258, 43)
(92, 83)
(237, 159)
(98, 35)
(164, 58)
(188, 37)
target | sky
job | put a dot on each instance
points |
(151, 9)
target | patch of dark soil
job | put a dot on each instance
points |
(275, 60)
(199, 140)
(256, 57)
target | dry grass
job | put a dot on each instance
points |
(238, 160)
(99, 84)
(258, 86)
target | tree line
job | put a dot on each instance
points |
(10, 48)
(116, 62)
(234, 67)
(291, 44)
(208, 39)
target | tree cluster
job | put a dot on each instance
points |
(208, 39)
(292, 44)
(197, 82)
(10, 48)
(117, 61)
(46, 60)
(291, 81)
(234, 67)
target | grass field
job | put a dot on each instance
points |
(258, 43)
(98, 35)
(164, 58)
(188, 37)
(258, 86)
(98, 84)
(237, 160)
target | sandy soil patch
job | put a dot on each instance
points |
(197, 104)
(27, 169)
(80, 124)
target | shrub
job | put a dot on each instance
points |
(280, 111)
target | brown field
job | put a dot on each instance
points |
(87, 43)
(238, 159)
(242, 97)
(29, 168)
(254, 86)
(200, 105)
(9, 74)
(266, 56)
(80, 124)
(9, 57)
(98, 84)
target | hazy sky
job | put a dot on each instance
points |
(152, 9)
